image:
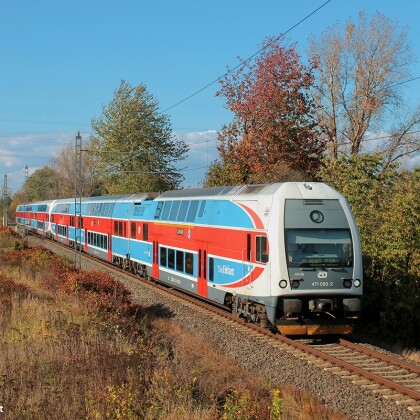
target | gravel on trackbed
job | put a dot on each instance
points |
(340, 395)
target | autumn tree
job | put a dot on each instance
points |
(403, 139)
(273, 135)
(135, 148)
(358, 71)
(19, 197)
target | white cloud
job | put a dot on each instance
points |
(37, 149)
(32, 149)
(202, 152)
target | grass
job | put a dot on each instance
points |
(74, 346)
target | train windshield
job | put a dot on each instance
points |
(319, 248)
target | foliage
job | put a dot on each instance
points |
(385, 203)
(43, 184)
(71, 346)
(19, 197)
(273, 129)
(357, 71)
(134, 145)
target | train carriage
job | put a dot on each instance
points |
(283, 255)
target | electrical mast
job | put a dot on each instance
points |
(78, 204)
(5, 203)
(25, 230)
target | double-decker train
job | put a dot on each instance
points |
(283, 255)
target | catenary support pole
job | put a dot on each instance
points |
(78, 204)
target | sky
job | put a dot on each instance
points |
(60, 63)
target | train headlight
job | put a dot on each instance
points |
(347, 283)
(283, 284)
(357, 283)
(316, 216)
(295, 284)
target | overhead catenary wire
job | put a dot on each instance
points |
(234, 68)
(247, 59)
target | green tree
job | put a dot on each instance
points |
(273, 129)
(134, 144)
(43, 184)
(385, 203)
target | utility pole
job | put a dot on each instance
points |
(78, 204)
(5, 203)
(25, 230)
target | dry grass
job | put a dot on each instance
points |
(73, 346)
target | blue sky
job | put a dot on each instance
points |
(61, 62)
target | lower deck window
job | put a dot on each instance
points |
(62, 230)
(189, 263)
(180, 261)
(163, 253)
(177, 260)
(171, 258)
(97, 239)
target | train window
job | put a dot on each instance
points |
(115, 228)
(211, 269)
(163, 252)
(171, 258)
(180, 261)
(145, 232)
(248, 247)
(158, 209)
(183, 211)
(192, 211)
(189, 263)
(202, 207)
(166, 210)
(62, 230)
(261, 249)
(174, 210)
(133, 230)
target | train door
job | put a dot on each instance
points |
(246, 263)
(155, 257)
(202, 288)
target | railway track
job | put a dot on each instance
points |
(375, 371)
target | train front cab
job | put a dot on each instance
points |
(322, 287)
